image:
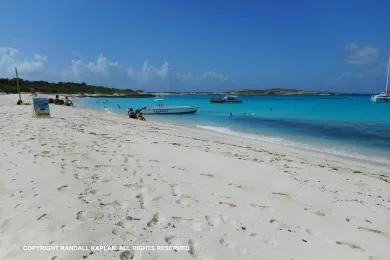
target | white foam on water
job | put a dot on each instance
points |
(289, 143)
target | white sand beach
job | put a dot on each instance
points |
(91, 178)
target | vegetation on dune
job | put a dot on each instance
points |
(9, 86)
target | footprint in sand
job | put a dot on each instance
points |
(126, 255)
(80, 215)
(62, 187)
(255, 205)
(175, 189)
(41, 216)
(157, 198)
(120, 224)
(192, 246)
(319, 213)
(281, 194)
(230, 204)
(90, 215)
(141, 200)
(195, 224)
(124, 233)
(186, 200)
(226, 243)
(174, 240)
(213, 221)
(5, 224)
(169, 239)
(375, 231)
(154, 220)
(207, 175)
(349, 244)
(316, 212)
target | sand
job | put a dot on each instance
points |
(87, 178)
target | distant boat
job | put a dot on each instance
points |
(217, 99)
(383, 97)
(160, 109)
(225, 99)
(233, 99)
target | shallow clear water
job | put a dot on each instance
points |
(348, 125)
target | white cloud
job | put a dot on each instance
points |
(361, 54)
(369, 76)
(149, 74)
(166, 78)
(147, 77)
(102, 71)
(10, 58)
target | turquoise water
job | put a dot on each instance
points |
(348, 125)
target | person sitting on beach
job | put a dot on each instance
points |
(58, 101)
(68, 102)
(33, 93)
(140, 116)
(131, 113)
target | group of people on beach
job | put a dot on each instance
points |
(136, 114)
(58, 101)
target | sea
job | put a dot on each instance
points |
(343, 125)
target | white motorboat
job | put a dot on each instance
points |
(232, 99)
(160, 109)
(225, 99)
(383, 97)
(217, 99)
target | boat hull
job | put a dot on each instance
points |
(225, 99)
(381, 98)
(169, 110)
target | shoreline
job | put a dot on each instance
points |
(88, 178)
(295, 145)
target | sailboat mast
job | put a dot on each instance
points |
(387, 79)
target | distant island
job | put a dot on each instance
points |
(277, 91)
(82, 89)
(86, 90)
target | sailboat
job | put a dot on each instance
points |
(383, 97)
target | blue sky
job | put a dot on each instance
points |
(199, 45)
